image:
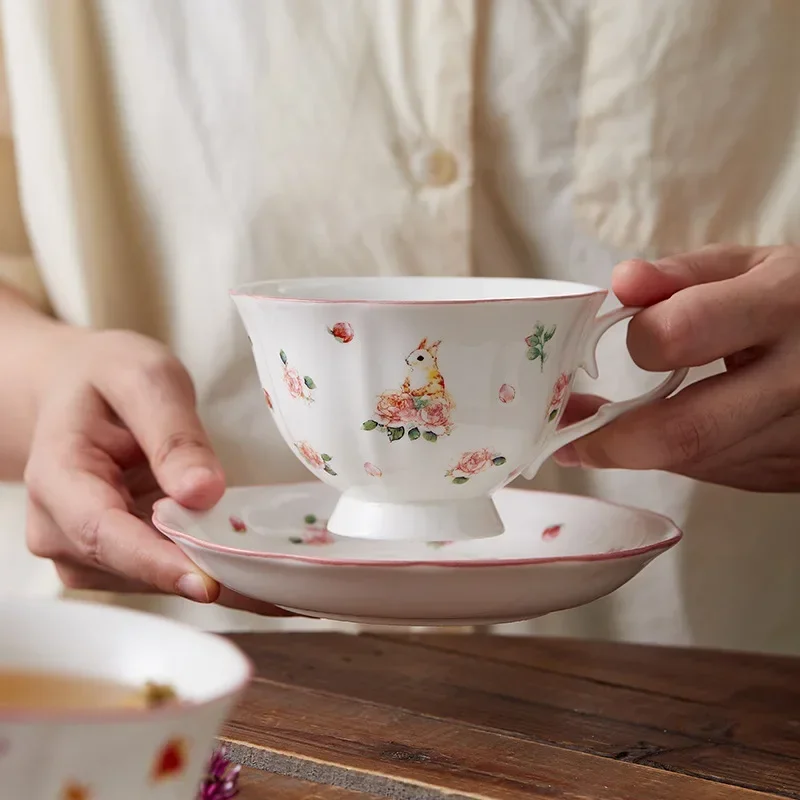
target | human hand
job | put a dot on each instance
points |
(116, 429)
(738, 429)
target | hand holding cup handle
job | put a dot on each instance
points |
(609, 411)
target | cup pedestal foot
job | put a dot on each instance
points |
(433, 521)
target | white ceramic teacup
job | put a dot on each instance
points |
(112, 753)
(419, 397)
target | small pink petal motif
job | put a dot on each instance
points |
(170, 761)
(342, 332)
(268, 399)
(507, 393)
(372, 470)
(237, 524)
(551, 533)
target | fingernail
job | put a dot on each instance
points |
(567, 456)
(192, 586)
(196, 477)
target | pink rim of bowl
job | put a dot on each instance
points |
(617, 555)
(121, 715)
(251, 290)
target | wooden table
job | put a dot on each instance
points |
(337, 717)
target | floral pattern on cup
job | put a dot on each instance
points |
(75, 791)
(558, 396)
(268, 400)
(537, 342)
(438, 545)
(550, 533)
(237, 524)
(342, 332)
(473, 463)
(298, 386)
(170, 761)
(372, 470)
(315, 460)
(422, 408)
(315, 532)
(507, 393)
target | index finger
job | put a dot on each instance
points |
(158, 406)
(637, 282)
(704, 323)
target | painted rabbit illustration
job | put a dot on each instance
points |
(424, 377)
(422, 407)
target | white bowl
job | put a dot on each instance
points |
(272, 543)
(121, 754)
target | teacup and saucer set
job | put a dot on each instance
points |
(415, 401)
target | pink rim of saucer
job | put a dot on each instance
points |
(618, 555)
(249, 290)
(112, 716)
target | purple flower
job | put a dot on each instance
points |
(222, 779)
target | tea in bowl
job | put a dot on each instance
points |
(419, 397)
(101, 703)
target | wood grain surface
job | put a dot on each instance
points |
(500, 717)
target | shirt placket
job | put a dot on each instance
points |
(437, 105)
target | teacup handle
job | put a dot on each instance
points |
(609, 411)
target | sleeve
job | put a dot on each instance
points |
(17, 263)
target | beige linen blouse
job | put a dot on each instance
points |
(169, 149)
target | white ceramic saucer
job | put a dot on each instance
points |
(558, 551)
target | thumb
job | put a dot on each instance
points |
(579, 407)
(644, 283)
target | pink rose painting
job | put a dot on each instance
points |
(315, 460)
(422, 408)
(342, 332)
(396, 408)
(558, 397)
(315, 532)
(507, 393)
(473, 463)
(298, 386)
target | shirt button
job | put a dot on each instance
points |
(435, 167)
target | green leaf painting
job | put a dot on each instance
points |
(537, 342)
